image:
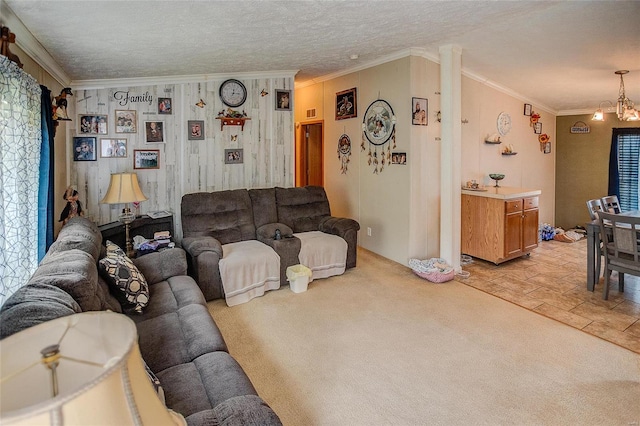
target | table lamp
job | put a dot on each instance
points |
(80, 369)
(124, 189)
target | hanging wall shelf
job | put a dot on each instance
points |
(232, 121)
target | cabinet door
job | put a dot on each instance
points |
(530, 229)
(513, 234)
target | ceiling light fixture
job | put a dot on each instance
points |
(625, 109)
(599, 114)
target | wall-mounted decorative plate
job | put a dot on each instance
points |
(504, 123)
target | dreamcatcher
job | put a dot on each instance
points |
(344, 152)
(378, 127)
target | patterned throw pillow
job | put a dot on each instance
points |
(126, 277)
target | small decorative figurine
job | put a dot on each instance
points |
(73, 207)
(60, 105)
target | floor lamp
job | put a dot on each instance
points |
(80, 369)
(124, 189)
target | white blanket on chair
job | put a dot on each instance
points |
(325, 254)
(248, 269)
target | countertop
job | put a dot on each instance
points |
(503, 192)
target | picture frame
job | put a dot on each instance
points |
(126, 121)
(93, 124)
(547, 148)
(283, 100)
(527, 109)
(84, 148)
(165, 106)
(195, 130)
(154, 131)
(113, 148)
(146, 159)
(233, 156)
(347, 104)
(537, 128)
(399, 158)
(419, 111)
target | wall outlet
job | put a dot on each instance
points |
(368, 231)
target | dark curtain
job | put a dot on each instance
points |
(45, 189)
(614, 175)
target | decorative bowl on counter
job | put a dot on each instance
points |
(497, 177)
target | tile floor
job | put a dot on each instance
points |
(552, 281)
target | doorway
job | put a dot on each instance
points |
(310, 154)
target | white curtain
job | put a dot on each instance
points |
(20, 139)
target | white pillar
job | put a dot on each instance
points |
(450, 153)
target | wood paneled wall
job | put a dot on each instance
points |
(186, 166)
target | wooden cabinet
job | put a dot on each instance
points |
(499, 229)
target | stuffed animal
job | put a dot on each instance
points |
(73, 207)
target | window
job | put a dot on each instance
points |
(628, 168)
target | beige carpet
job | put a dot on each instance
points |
(379, 345)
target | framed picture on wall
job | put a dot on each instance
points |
(196, 130)
(164, 106)
(233, 156)
(527, 109)
(419, 111)
(113, 148)
(283, 100)
(537, 128)
(399, 158)
(346, 104)
(146, 159)
(93, 124)
(547, 148)
(126, 121)
(154, 131)
(84, 149)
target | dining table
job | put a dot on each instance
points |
(593, 241)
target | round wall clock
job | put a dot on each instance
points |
(379, 122)
(233, 93)
(504, 123)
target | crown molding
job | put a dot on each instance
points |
(32, 47)
(177, 79)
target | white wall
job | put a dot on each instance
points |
(401, 204)
(187, 165)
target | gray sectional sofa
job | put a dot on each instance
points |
(213, 219)
(178, 339)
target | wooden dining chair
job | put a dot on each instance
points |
(595, 206)
(621, 237)
(611, 204)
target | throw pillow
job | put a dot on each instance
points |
(155, 383)
(125, 276)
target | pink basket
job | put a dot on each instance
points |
(436, 277)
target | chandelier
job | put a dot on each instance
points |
(625, 108)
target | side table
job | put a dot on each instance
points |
(143, 225)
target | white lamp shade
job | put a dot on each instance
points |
(123, 188)
(117, 391)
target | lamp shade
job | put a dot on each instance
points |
(123, 188)
(101, 378)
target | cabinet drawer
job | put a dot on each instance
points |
(513, 206)
(531, 203)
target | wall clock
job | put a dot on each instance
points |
(504, 123)
(233, 93)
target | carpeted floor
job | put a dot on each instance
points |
(379, 345)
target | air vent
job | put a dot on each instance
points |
(311, 113)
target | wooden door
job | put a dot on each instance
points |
(309, 155)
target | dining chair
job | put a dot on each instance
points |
(595, 206)
(611, 204)
(621, 237)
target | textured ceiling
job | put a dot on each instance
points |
(560, 54)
